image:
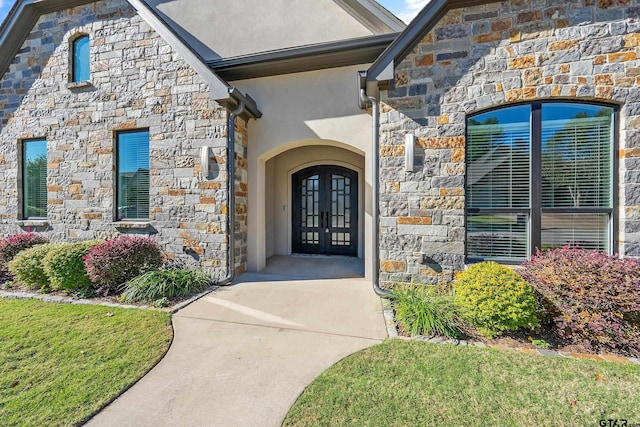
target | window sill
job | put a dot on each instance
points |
(132, 225)
(35, 223)
(78, 85)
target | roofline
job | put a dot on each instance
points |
(218, 87)
(433, 12)
(363, 50)
(20, 21)
(25, 13)
(372, 15)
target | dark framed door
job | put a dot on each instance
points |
(325, 211)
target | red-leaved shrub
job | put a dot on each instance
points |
(12, 245)
(114, 262)
(594, 298)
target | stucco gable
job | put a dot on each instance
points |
(220, 29)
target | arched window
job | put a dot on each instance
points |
(540, 176)
(80, 59)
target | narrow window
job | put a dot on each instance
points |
(34, 179)
(132, 164)
(539, 176)
(80, 59)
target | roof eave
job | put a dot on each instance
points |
(25, 14)
(300, 59)
(373, 16)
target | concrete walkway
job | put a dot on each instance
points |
(242, 355)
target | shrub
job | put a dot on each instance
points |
(593, 298)
(64, 266)
(114, 262)
(12, 245)
(170, 283)
(28, 266)
(494, 299)
(422, 310)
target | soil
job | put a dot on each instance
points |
(520, 339)
(111, 299)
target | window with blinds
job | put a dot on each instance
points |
(132, 165)
(539, 176)
(80, 59)
(34, 179)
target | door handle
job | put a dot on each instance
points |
(321, 219)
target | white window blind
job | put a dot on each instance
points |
(133, 175)
(34, 178)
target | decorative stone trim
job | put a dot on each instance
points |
(142, 225)
(536, 351)
(78, 85)
(389, 320)
(33, 223)
(59, 299)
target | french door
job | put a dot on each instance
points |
(325, 211)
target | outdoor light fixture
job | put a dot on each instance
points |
(409, 145)
(205, 158)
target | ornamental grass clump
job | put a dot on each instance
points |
(593, 297)
(424, 310)
(12, 245)
(495, 299)
(111, 264)
(64, 266)
(165, 284)
(27, 267)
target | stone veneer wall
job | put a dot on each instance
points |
(492, 55)
(242, 198)
(137, 81)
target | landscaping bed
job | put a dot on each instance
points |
(568, 300)
(129, 270)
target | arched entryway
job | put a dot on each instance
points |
(272, 222)
(325, 211)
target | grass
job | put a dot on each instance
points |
(61, 362)
(409, 383)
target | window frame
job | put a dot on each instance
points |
(23, 211)
(536, 210)
(73, 77)
(116, 207)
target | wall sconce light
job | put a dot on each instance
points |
(205, 159)
(409, 149)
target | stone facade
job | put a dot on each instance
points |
(486, 56)
(137, 81)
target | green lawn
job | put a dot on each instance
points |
(62, 362)
(409, 383)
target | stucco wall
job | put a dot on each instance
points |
(486, 56)
(137, 81)
(311, 108)
(223, 29)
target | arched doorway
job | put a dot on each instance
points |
(325, 211)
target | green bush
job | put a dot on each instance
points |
(27, 267)
(65, 267)
(423, 310)
(170, 283)
(12, 245)
(494, 299)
